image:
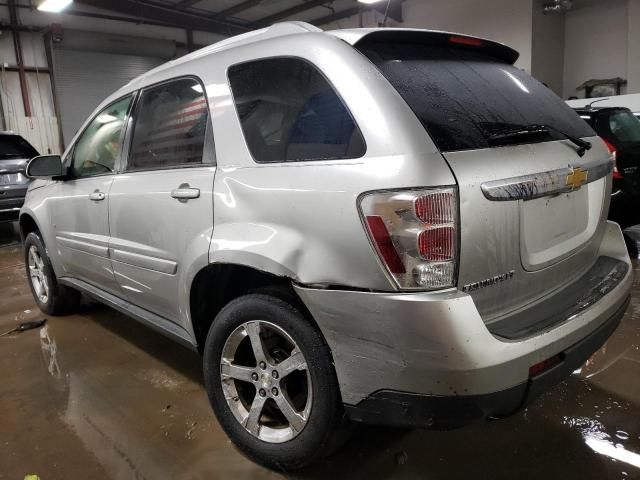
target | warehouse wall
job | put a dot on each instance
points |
(506, 21)
(547, 48)
(41, 128)
(633, 41)
(596, 43)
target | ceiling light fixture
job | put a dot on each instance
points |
(369, 1)
(54, 6)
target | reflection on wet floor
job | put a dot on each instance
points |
(97, 396)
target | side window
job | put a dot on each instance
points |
(170, 126)
(290, 112)
(98, 147)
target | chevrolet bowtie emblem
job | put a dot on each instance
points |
(577, 178)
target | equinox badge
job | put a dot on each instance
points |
(470, 287)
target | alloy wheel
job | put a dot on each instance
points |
(266, 381)
(38, 275)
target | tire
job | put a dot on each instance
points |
(326, 426)
(59, 299)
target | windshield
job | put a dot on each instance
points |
(463, 98)
(624, 126)
(14, 146)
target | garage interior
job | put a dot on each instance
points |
(100, 396)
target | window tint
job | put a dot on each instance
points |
(289, 112)
(624, 126)
(464, 97)
(170, 126)
(97, 149)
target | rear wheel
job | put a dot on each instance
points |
(271, 382)
(51, 297)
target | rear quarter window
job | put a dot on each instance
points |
(289, 112)
(462, 97)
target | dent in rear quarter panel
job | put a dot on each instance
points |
(297, 221)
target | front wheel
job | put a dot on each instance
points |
(271, 383)
(51, 297)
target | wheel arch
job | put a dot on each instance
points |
(27, 225)
(219, 283)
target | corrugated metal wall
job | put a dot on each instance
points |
(41, 129)
(89, 66)
(84, 79)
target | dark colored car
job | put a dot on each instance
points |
(15, 152)
(620, 129)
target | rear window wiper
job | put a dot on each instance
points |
(517, 131)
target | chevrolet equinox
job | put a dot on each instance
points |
(388, 226)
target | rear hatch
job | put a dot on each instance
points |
(532, 203)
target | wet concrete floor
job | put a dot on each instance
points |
(97, 396)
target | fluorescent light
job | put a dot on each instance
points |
(369, 1)
(54, 6)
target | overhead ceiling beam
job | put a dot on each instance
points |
(184, 4)
(290, 12)
(166, 15)
(241, 7)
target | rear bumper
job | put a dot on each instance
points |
(437, 345)
(404, 409)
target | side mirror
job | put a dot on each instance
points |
(45, 166)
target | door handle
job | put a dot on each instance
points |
(97, 196)
(185, 192)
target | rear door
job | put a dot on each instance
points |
(79, 205)
(531, 206)
(162, 203)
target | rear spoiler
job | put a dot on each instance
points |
(362, 38)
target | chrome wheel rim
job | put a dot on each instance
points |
(37, 275)
(266, 381)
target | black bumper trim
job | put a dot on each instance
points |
(403, 409)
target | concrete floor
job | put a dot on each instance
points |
(97, 396)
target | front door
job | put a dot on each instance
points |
(80, 214)
(161, 206)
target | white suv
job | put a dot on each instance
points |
(388, 226)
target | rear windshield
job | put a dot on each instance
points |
(13, 146)
(464, 97)
(622, 126)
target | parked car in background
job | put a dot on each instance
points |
(387, 226)
(620, 129)
(15, 152)
(630, 101)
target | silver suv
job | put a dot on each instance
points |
(387, 226)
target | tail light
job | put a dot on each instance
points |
(415, 234)
(614, 159)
